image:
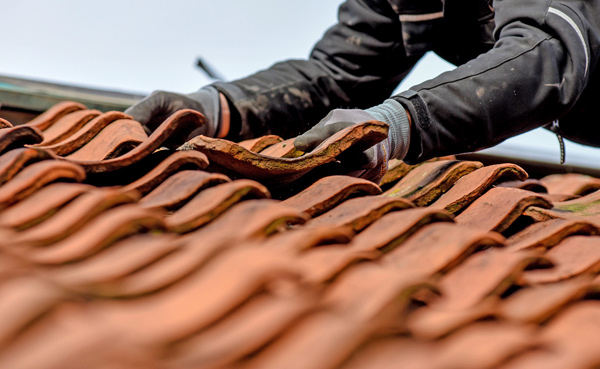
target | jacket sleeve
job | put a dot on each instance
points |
(357, 63)
(542, 61)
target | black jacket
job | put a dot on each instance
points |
(521, 64)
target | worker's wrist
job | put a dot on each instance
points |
(394, 114)
(225, 121)
(209, 99)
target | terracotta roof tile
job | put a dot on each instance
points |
(15, 160)
(535, 304)
(18, 136)
(67, 125)
(84, 134)
(99, 233)
(571, 184)
(72, 217)
(41, 205)
(330, 274)
(425, 183)
(549, 233)
(328, 192)
(530, 184)
(4, 123)
(52, 115)
(212, 202)
(35, 176)
(573, 256)
(359, 212)
(473, 185)
(176, 190)
(393, 228)
(260, 143)
(175, 162)
(117, 138)
(171, 133)
(284, 170)
(583, 209)
(498, 208)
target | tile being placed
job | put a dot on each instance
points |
(285, 170)
(179, 160)
(36, 176)
(19, 136)
(212, 202)
(67, 126)
(359, 212)
(328, 192)
(15, 160)
(571, 184)
(468, 188)
(428, 181)
(573, 256)
(41, 205)
(260, 143)
(84, 134)
(498, 208)
(176, 190)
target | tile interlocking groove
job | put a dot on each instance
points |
(167, 258)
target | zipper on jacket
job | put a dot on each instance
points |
(561, 141)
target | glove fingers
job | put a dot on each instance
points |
(319, 133)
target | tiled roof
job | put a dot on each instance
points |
(121, 249)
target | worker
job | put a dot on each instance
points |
(521, 64)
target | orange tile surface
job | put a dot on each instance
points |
(117, 250)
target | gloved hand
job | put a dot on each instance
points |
(159, 105)
(372, 163)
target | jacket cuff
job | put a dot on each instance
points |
(393, 113)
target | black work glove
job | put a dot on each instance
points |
(152, 110)
(371, 164)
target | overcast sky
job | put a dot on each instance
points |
(139, 46)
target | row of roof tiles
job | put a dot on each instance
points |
(121, 249)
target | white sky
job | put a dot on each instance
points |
(139, 46)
